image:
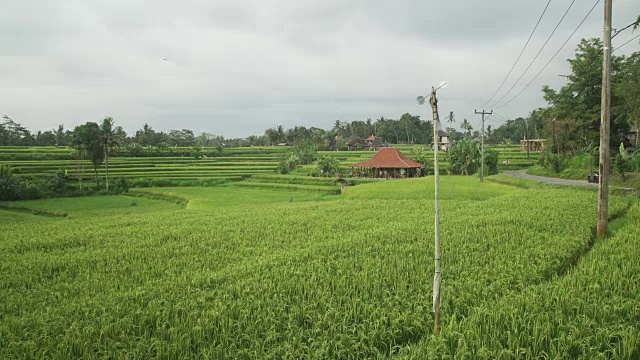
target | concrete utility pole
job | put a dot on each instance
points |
(438, 274)
(482, 143)
(437, 278)
(605, 120)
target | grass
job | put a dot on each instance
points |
(91, 207)
(230, 196)
(244, 273)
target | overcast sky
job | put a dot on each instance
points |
(238, 67)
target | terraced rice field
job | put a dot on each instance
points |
(257, 276)
(235, 164)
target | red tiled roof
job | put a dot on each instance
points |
(389, 157)
(371, 138)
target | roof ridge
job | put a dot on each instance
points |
(398, 155)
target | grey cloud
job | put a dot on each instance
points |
(238, 67)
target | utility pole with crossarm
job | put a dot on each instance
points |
(482, 143)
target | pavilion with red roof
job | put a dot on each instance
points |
(387, 163)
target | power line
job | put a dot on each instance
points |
(501, 118)
(625, 28)
(553, 57)
(633, 38)
(521, 52)
(538, 54)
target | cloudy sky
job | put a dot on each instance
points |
(238, 67)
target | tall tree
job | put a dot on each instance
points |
(87, 138)
(60, 135)
(577, 104)
(466, 126)
(111, 137)
(451, 118)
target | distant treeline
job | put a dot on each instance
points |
(408, 129)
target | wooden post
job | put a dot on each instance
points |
(605, 119)
(438, 271)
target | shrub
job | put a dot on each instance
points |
(122, 185)
(305, 152)
(13, 188)
(551, 161)
(623, 163)
(328, 165)
(288, 161)
(491, 161)
(421, 157)
(463, 157)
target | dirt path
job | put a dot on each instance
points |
(523, 174)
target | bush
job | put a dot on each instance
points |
(421, 157)
(491, 161)
(464, 157)
(288, 161)
(551, 161)
(305, 152)
(122, 185)
(623, 163)
(328, 165)
(58, 182)
(13, 188)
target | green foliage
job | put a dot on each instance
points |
(306, 152)
(552, 161)
(491, 158)
(196, 152)
(13, 188)
(327, 165)
(622, 163)
(89, 139)
(122, 185)
(577, 104)
(288, 161)
(58, 182)
(464, 157)
(424, 158)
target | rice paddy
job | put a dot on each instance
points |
(244, 272)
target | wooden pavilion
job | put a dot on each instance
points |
(388, 163)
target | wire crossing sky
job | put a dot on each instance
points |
(519, 56)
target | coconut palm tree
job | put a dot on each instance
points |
(108, 141)
(466, 126)
(451, 119)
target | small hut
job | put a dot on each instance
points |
(388, 163)
(443, 141)
(533, 145)
(342, 181)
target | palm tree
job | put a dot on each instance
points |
(451, 119)
(466, 126)
(108, 140)
(59, 132)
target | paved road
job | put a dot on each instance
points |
(523, 174)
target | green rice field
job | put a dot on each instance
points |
(284, 269)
